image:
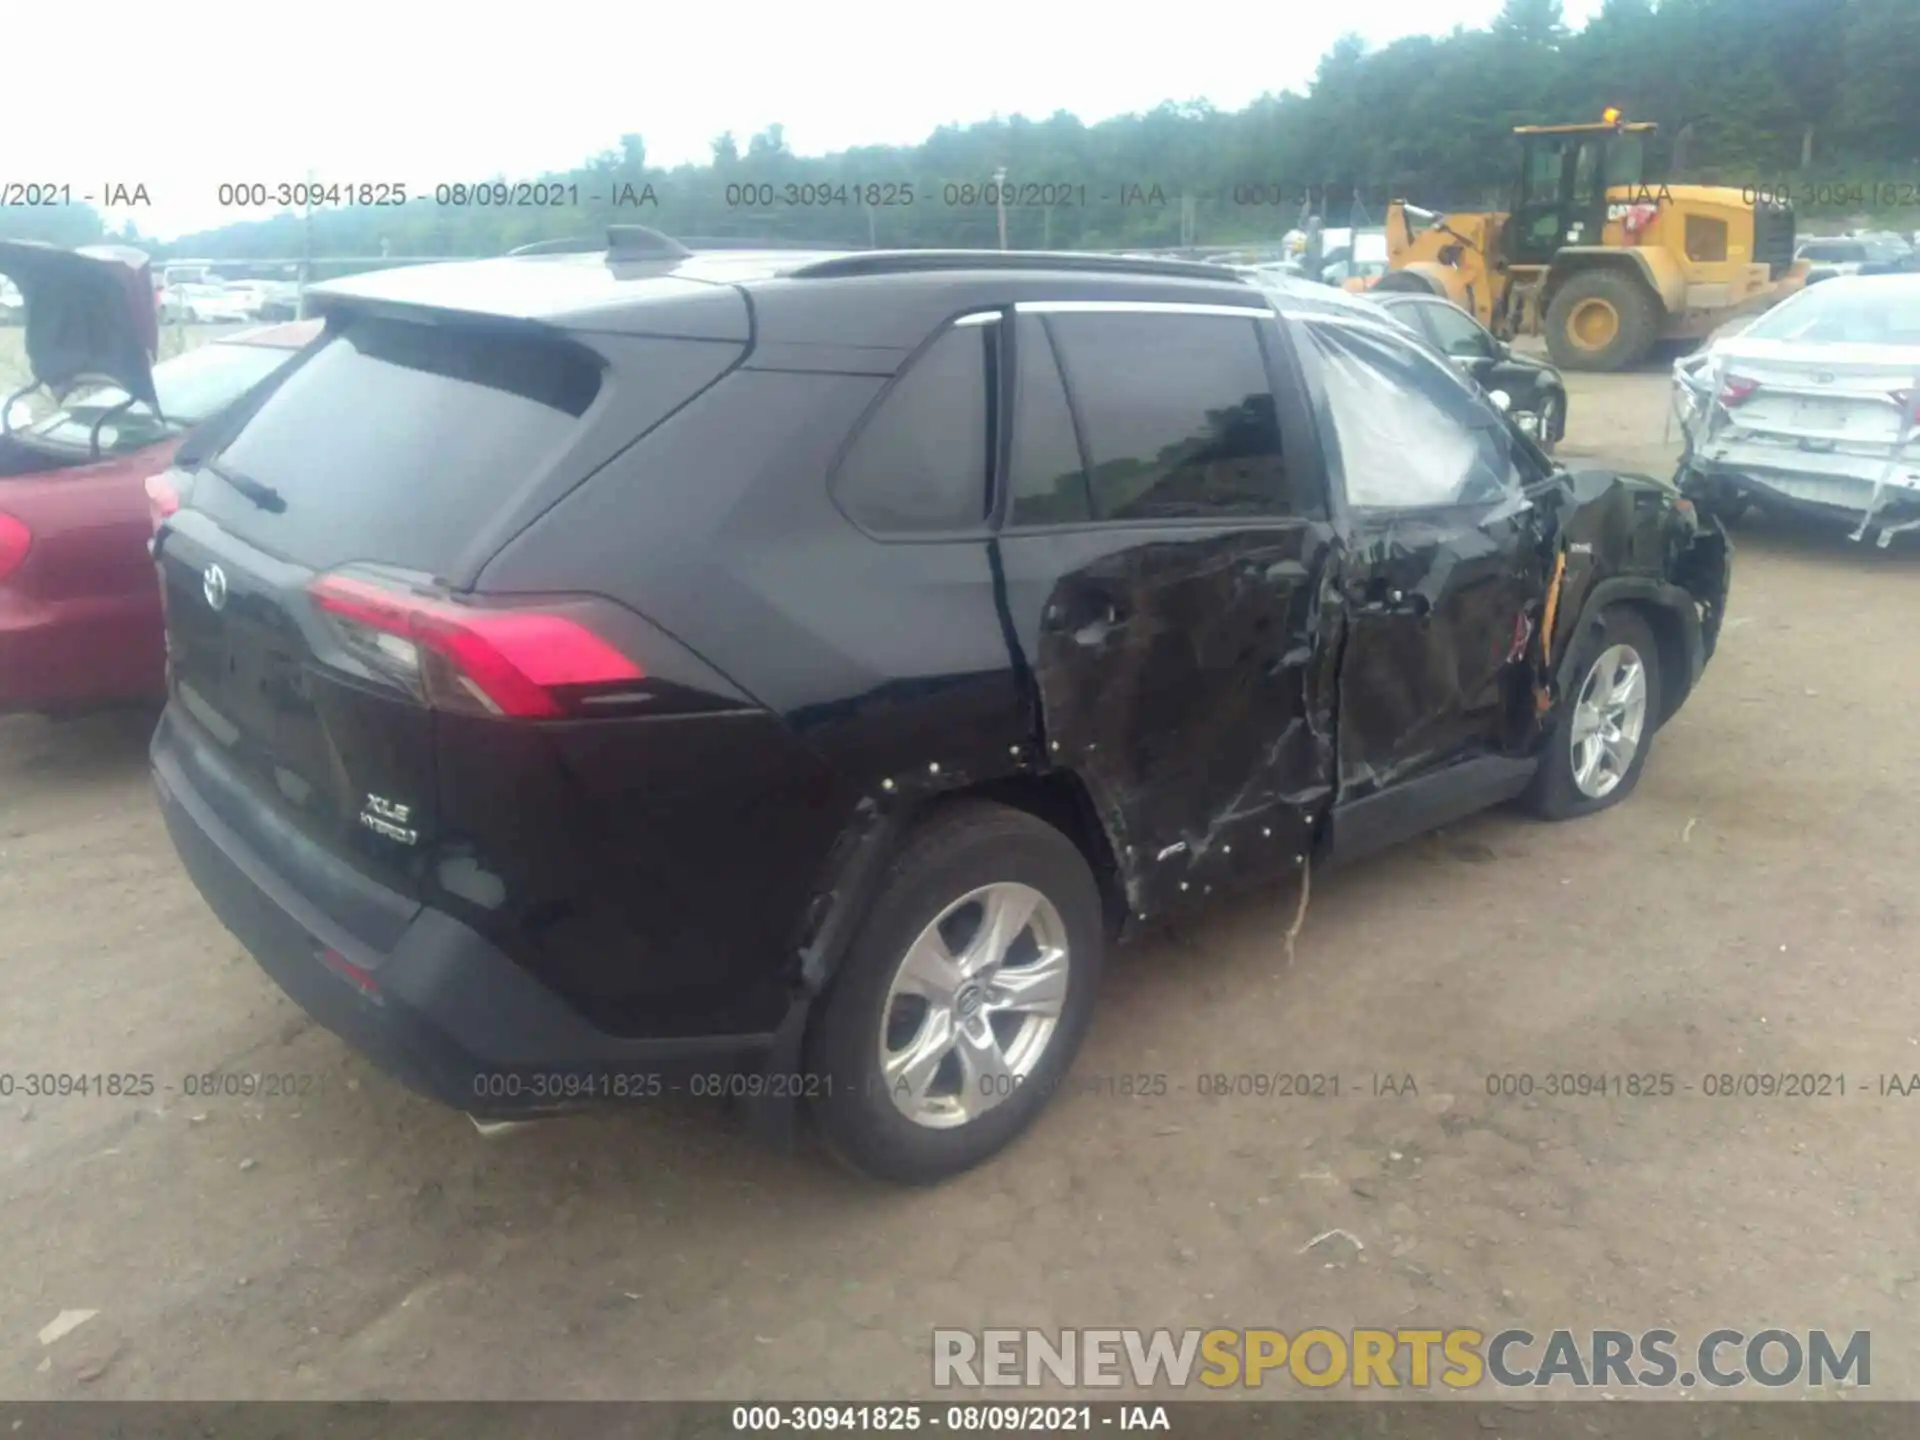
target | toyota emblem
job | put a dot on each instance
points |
(213, 585)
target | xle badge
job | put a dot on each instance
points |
(383, 817)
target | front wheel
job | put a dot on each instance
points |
(963, 999)
(1602, 320)
(1599, 743)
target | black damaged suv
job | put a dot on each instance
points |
(595, 676)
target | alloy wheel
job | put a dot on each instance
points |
(973, 1005)
(1609, 718)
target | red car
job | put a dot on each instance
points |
(80, 623)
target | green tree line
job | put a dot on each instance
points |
(1802, 91)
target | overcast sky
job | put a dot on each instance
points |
(197, 92)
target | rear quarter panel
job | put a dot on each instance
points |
(872, 671)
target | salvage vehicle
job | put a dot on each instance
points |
(600, 676)
(206, 304)
(1876, 254)
(80, 623)
(1812, 410)
(1536, 392)
(1593, 257)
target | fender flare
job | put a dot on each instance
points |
(848, 879)
(1675, 599)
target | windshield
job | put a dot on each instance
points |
(1627, 159)
(191, 388)
(1872, 311)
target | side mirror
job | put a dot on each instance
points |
(1501, 400)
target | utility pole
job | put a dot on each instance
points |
(306, 263)
(1000, 200)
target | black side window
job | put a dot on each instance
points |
(921, 463)
(1411, 433)
(1048, 478)
(1454, 331)
(1178, 415)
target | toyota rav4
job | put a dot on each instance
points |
(589, 671)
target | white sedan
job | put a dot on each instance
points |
(207, 304)
(1813, 409)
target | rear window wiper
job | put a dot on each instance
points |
(260, 493)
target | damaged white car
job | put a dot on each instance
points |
(1813, 410)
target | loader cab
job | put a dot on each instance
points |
(1565, 173)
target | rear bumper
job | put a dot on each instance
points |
(1831, 487)
(443, 1011)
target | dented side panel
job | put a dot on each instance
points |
(1181, 674)
(1441, 606)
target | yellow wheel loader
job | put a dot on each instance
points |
(1603, 264)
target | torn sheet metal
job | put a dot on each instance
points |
(1187, 682)
(1600, 526)
(1434, 603)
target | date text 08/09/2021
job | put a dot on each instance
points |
(811, 1419)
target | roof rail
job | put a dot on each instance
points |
(623, 242)
(906, 262)
(763, 242)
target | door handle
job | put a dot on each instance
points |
(1097, 614)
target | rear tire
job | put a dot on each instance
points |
(1572, 780)
(893, 1118)
(1594, 293)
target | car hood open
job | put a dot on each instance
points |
(90, 315)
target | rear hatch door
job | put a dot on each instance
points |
(313, 634)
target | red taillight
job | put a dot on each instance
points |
(15, 540)
(494, 662)
(1737, 389)
(162, 499)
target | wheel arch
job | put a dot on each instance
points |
(1060, 798)
(1668, 612)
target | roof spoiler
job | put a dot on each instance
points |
(623, 242)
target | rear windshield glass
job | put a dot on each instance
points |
(396, 442)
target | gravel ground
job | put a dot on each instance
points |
(1751, 909)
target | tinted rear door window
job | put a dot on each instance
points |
(398, 442)
(1178, 415)
(1048, 479)
(919, 464)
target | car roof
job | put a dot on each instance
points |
(606, 289)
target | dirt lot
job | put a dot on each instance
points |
(1753, 908)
